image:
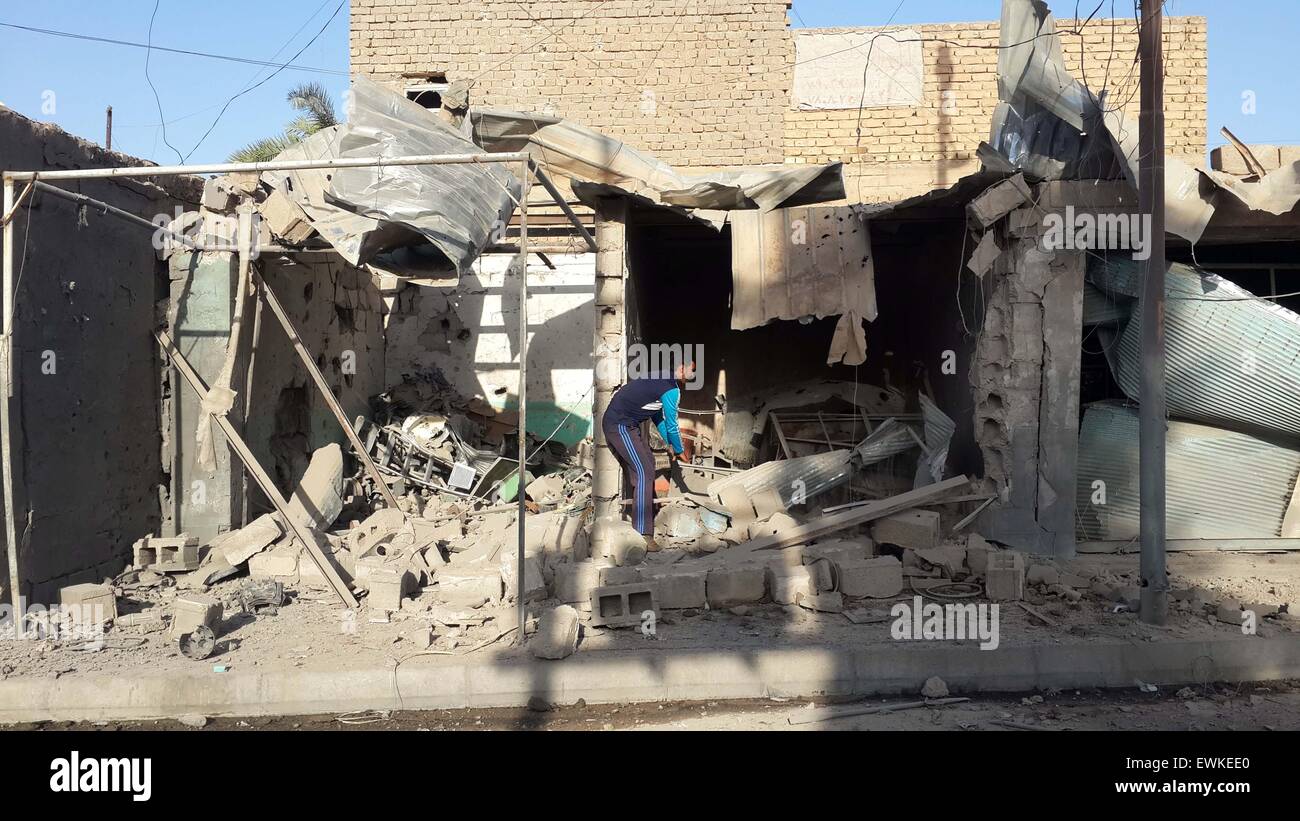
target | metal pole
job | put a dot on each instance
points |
(1153, 410)
(6, 397)
(108, 129)
(270, 165)
(523, 386)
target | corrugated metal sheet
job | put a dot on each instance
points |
(585, 154)
(1232, 358)
(795, 262)
(806, 475)
(365, 211)
(890, 438)
(1100, 308)
(1221, 484)
(939, 429)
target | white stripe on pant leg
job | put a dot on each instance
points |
(640, 472)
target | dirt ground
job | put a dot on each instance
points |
(315, 633)
(1273, 706)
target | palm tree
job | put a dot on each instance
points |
(316, 112)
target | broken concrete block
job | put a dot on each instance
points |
(217, 195)
(388, 586)
(240, 545)
(934, 687)
(619, 542)
(727, 586)
(191, 610)
(88, 604)
(574, 581)
(767, 502)
(949, 558)
(977, 554)
(876, 578)
(737, 502)
(679, 589)
(310, 575)
(772, 524)
(557, 633)
(318, 499)
(613, 575)
(912, 528)
(280, 561)
(821, 602)
(999, 200)
(469, 585)
(1005, 579)
(548, 489)
(285, 218)
(787, 583)
(174, 554)
(839, 550)
(622, 605)
(1042, 574)
(1229, 613)
(534, 582)
(824, 574)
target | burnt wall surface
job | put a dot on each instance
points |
(86, 363)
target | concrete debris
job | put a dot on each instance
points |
(557, 633)
(88, 604)
(821, 602)
(934, 687)
(623, 605)
(1005, 577)
(175, 554)
(880, 577)
(238, 546)
(917, 529)
(728, 586)
(318, 500)
(193, 610)
(281, 562)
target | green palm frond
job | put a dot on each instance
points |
(263, 150)
(314, 102)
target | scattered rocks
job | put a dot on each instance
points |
(557, 633)
(934, 687)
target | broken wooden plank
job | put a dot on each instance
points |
(259, 475)
(849, 518)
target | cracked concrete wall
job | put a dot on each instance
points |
(1026, 376)
(338, 314)
(469, 334)
(86, 363)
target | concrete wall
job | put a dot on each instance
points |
(87, 364)
(719, 83)
(338, 314)
(470, 333)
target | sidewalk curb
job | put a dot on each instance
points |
(683, 675)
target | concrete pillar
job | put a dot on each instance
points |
(608, 355)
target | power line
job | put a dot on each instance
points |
(260, 82)
(188, 52)
(157, 101)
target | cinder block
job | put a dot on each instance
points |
(911, 528)
(840, 550)
(727, 586)
(621, 605)
(1005, 579)
(277, 563)
(620, 575)
(788, 583)
(190, 610)
(574, 581)
(679, 589)
(388, 586)
(173, 554)
(88, 603)
(877, 578)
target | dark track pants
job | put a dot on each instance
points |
(639, 466)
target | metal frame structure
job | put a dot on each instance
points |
(11, 468)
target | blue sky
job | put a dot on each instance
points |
(70, 82)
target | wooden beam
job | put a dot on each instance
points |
(259, 475)
(856, 516)
(331, 400)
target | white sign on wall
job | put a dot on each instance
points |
(828, 71)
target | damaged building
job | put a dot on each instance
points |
(377, 365)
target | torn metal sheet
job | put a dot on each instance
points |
(792, 263)
(585, 154)
(795, 480)
(1221, 484)
(1231, 357)
(939, 430)
(362, 212)
(1100, 308)
(890, 438)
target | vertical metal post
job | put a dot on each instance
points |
(6, 397)
(1153, 409)
(523, 386)
(108, 129)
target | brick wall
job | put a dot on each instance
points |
(695, 82)
(703, 84)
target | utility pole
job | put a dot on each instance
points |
(1153, 408)
(108, 129)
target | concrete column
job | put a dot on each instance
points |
(608, 354)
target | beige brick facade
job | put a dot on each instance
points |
(705, 83)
